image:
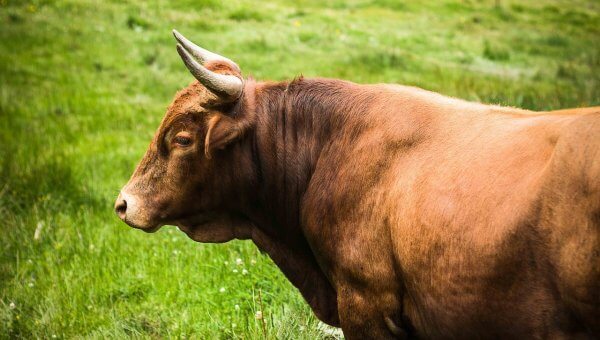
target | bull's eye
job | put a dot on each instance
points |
(182, 139)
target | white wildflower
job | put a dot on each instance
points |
(12, 305)
(222, 290)
(253, 262)
(236, 307)
(258, 315)
(244, 272)
(239, 261)
(235, 271)
(38, 231)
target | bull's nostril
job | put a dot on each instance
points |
(121, 208)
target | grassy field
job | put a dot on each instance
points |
(84, 84)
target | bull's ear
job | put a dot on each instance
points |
(222, 130)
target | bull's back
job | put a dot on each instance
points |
(575, 111)
(570, 219)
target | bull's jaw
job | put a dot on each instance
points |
(214, 228)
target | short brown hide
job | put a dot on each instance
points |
(396, 212)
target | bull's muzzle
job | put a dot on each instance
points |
(130, 212)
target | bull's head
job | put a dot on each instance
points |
(178, 182)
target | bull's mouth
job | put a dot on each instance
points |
(148, 226)
(185, 223)
(148, 230)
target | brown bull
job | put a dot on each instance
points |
(397, 212)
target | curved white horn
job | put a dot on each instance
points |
(202, 55)
(219, 83)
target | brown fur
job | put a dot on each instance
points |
(397, 212)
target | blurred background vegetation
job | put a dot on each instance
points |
(84, 84)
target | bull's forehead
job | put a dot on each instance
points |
(190, 99)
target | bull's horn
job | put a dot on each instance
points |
(199, 53)
(218, 83)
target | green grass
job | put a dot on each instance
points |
(84, 84)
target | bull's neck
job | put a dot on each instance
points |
(295, 121)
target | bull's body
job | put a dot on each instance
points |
(399, 212)
(449, 218)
